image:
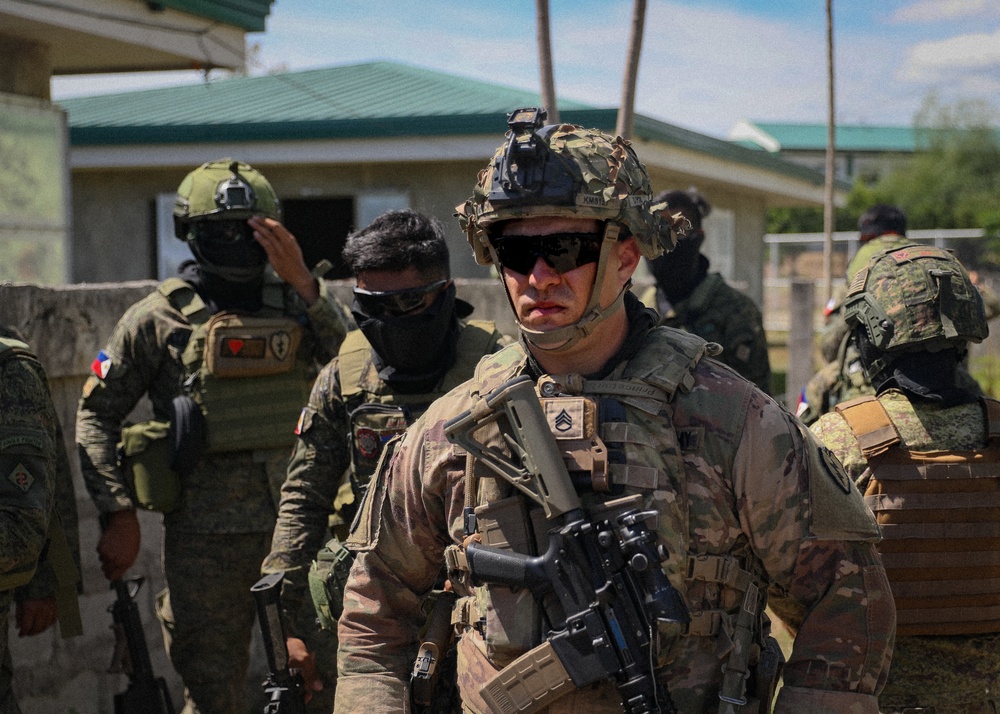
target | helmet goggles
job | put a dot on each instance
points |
(395, 303)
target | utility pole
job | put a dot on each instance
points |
(828, 208)
(545, 61)
(626, 112)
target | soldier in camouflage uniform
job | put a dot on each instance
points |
(690, 298)
(924, 451)
(40, 542)
(744, 495)
(413, 346)
(227, 354)
(841, 377)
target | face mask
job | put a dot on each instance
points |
(411, 344)
(228, 250)
(676, 272)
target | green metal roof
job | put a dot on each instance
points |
(812, 137)
(248, 14)
(371, 100)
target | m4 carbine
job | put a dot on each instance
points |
(600, 580)
(146, 693)
(283, 684)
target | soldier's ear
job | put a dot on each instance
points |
(628, 258)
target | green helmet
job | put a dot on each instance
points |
(222, 190)
(914, 298)
(563, 170)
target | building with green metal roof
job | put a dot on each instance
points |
(341, 144)
(867, 151)
(42, 40)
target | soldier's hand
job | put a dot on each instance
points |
(119, 544)
(300, 658)
(34, 617)
(285, 256)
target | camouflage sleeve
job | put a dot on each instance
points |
(833, 432)
(744, 343)
(319, 459)
(330, 321)
(133, 357)
(27, 467)
(43, 584)
(817, 546)
(416, 506)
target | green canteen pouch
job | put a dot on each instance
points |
(327, 579)
(145, 451)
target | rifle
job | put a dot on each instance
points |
(603, 574)
(146, 693)
(284, 685)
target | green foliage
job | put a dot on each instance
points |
(953, 181)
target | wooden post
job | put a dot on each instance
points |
(800, 340)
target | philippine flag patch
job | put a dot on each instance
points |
(102, 365)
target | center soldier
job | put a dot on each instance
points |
(412, 347)
(743, 497)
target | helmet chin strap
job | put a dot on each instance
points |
(563, 338)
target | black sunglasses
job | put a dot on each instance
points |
(561, 251)
(395, 302)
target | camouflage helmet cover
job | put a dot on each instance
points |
(223, 190)
(917, 297)
(564, 170)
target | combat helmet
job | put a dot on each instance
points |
(564, 170)
(222, 190)
(915, 298)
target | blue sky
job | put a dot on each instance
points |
(706, 64)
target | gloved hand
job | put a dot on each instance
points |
(35, 616)
(119, 544)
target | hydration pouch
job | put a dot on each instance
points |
(327, 579)
(145, 457)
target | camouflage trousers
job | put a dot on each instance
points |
(208, 615)
(986, 707)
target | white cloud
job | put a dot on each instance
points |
(948, 59)
(945, 10)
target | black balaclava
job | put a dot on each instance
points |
(925, 375)
(413, 352)
(680, 271)
(232, 263)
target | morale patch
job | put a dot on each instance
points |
(243, 347)
(368, 442)
(832, 466)
(21, 477)
(281, 343)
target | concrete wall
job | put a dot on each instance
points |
(67, 326)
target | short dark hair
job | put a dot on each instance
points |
(398, 240)
(691, 203)
(880, 219)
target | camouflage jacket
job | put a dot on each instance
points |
(29, 436)
(870, 248)
(953, 673)
(718, 312)
(716, 490)
(322, 456)
(234, 492)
